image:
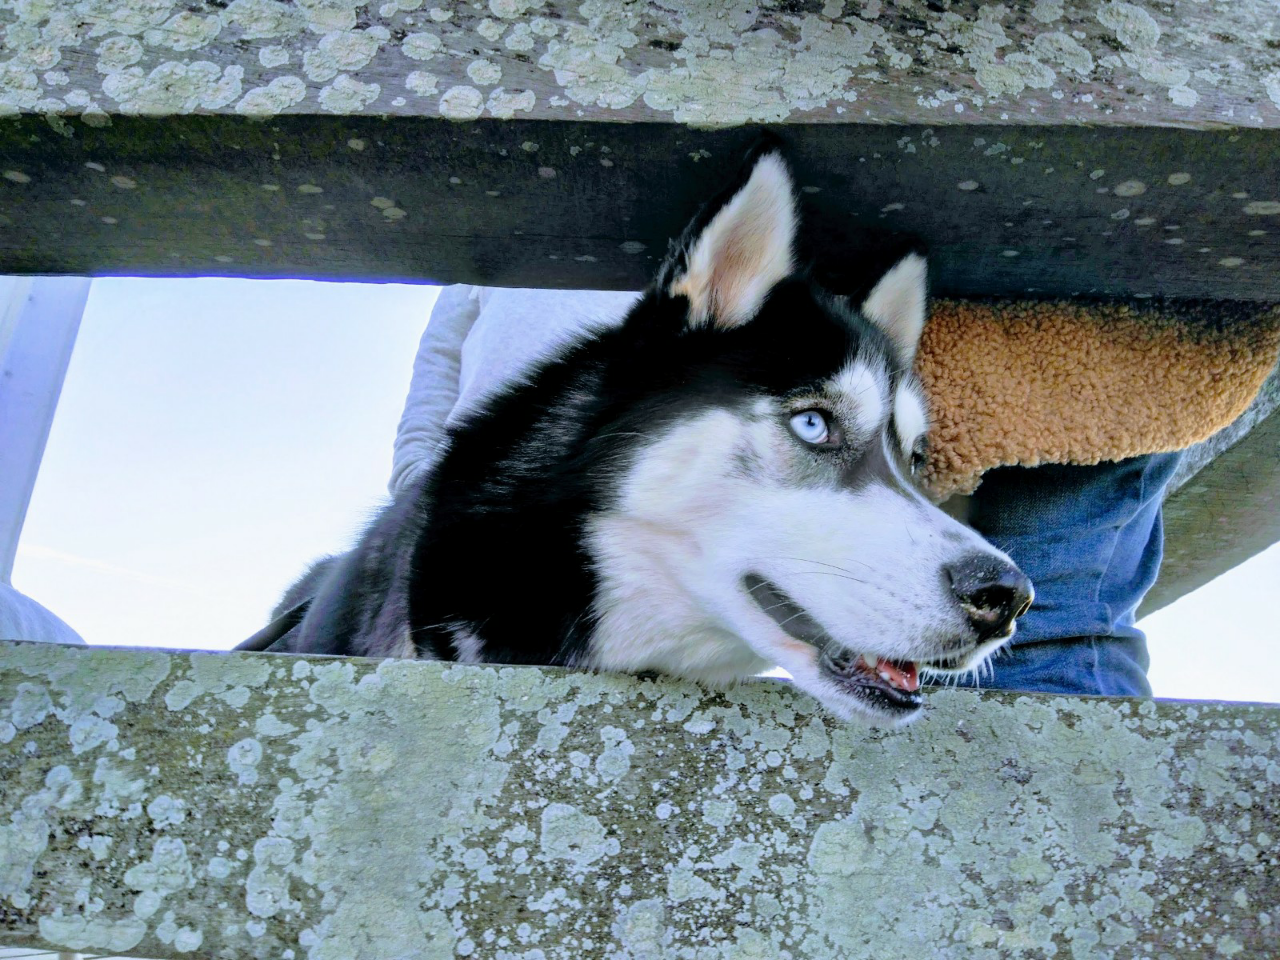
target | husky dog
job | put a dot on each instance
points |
(720, 485)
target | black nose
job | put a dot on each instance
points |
(991, 592)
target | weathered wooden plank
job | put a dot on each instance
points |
(1047, 213)
(1228, 509)
(561, 144)
(256, 806)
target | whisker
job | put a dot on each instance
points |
(774, 606)
(821, 563)
(799, 613)
(825, 573)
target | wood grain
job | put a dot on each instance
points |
(252, 805)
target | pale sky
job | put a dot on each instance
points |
(214, 436)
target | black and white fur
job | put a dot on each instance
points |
(661, 497)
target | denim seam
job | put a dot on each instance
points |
(1111, 555)
(1143, 503)
(1094, 662)
(1106, 569)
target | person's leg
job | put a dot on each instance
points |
(1090, 538)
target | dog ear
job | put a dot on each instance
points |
(896, 304)
(730, 264)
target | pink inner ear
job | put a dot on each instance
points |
(897, 303)
(740, 268)
(744, 250)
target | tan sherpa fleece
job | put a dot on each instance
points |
(1024, 382)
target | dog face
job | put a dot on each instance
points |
(768, 516)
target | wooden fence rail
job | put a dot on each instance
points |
(1224, 507)
(235, 806)
(1053, 149)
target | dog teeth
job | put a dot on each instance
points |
(871, 661)
(885, 677)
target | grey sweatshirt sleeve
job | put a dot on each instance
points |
(21, 618)
(433, 391)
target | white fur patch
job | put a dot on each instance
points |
(897, 303)
(647, 617)
(866, 389)
(909, 415)
(744, 250)
(467, 647)
(647, 551)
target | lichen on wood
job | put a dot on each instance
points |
(211, 805)
(701, 62)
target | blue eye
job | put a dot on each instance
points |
(811, 427)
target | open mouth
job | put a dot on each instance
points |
(889, 686)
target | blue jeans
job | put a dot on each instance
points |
(1091, 539)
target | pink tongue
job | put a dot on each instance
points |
(901, 675)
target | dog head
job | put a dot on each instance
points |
(768, 516)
